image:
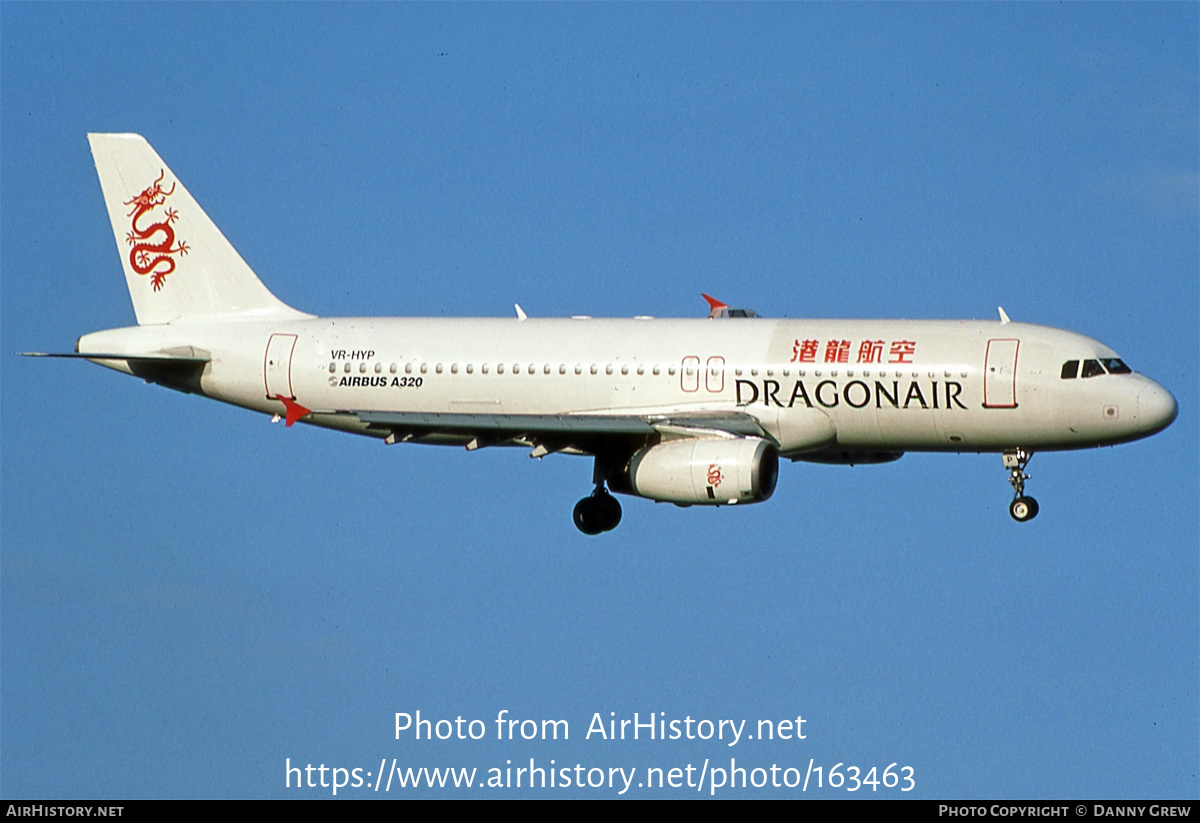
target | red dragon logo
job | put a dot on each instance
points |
(714, 475)
(147, 256)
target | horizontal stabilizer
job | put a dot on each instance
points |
(161, 358)
(181, 372)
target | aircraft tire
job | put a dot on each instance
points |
(598, 513)
(610, 511)
(1023, 509)
(587, 517)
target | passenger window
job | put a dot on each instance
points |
(1070, 370)
(1091, 368)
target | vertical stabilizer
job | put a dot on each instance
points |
(177, 263)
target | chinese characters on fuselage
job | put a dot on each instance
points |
(869, 351)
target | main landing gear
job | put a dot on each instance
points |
(1022, 508)
(600, 512)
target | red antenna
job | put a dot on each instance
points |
(293, 409)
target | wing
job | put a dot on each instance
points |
(545, 434)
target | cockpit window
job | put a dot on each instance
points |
(1091, 368)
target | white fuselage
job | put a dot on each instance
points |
(869, 385)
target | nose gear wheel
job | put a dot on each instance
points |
(1022, 508)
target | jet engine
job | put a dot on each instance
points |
(713, 472)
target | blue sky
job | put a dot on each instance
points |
(189, 596)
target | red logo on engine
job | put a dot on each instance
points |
(154, 246)
(714, 475)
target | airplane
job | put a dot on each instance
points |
(687, 411)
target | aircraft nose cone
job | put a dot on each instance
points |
(1156, 408)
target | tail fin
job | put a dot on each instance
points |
(177, 263)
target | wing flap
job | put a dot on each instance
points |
(524, 423)
(548, 433)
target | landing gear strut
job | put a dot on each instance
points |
(1022, 508)
(600, 512)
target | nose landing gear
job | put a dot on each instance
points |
(1022, 508)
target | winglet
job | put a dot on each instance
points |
(1003, 317)
(520, 311)
(714, 305)
(294, 410)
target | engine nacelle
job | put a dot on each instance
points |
(705, 472)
